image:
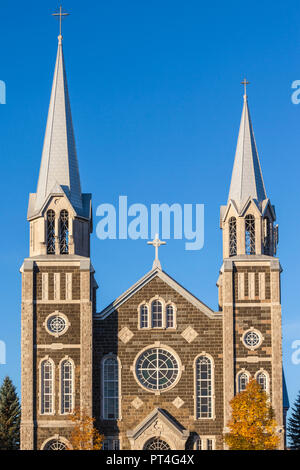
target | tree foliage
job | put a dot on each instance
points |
(252, 425)
(85, 435)
(10, 415)
(294, 426)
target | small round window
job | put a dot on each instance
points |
(56, 324)
(252, 339)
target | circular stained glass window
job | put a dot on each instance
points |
(55, 444)
(157, 369)
(252, 339)
(156, 444)
(56, 324)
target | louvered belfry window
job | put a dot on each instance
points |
(64, 232)
(232, 236)
(250, 234)
(51, 232)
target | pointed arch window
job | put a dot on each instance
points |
(242, 381)
(67, 378)
(144, 323)
(110, 387)
(47, 388)
(232, 237)
(204, 387)
(250, 234)
(156, 314)
(64, 232)
(51, 232)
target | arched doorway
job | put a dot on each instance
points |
(155, 443)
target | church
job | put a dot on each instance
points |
(156, 368)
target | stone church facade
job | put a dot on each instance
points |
(157, 368)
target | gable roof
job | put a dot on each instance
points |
(165, 417)
(157, 272)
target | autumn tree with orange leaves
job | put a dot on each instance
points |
(84, 436)
(252, 425)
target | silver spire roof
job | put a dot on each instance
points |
(59, 165)
(246, 181)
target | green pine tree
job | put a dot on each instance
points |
(294, 426)
(10, 413)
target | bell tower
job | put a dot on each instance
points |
(58, 286)
(249, 282)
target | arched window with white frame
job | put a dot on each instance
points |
(262, 379)
(170, 316)
(156, 314)
(67, 386)
(242, 381)
(110, 387)
(144, 316)
(47, 386)
(204, 387)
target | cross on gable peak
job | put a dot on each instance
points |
(156, 243)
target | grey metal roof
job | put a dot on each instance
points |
(247, 180)
(59, 165)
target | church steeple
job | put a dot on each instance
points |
(247, 180)
(59, 213)
(248, 218)
(59, 166)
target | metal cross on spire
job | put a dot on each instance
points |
(60, 14)
(245, 83)
(156, 243)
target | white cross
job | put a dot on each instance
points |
(156, 243)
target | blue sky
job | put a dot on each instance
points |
(156, 102)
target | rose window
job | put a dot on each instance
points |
(157, 369)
